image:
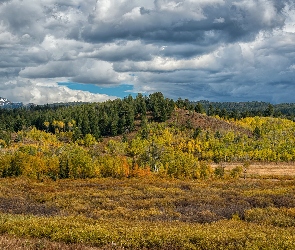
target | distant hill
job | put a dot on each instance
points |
(223, 109)
(254, 108)
(241, 106)
(5, 103)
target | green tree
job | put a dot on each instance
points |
(257, 133)
(269, 111)
(211, 110)
(199, 108)
(140, 103)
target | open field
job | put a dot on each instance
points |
(272, 169)
(8, 242)
(279, 170)
(149, 213)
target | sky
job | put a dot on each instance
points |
(95, 50)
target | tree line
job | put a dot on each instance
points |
(115, 117)
(238, 110)
(108, 118)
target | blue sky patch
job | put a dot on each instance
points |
(120, 90)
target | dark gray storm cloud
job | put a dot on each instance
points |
(208, 49)
(189, 21)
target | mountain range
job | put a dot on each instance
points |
(5, 103)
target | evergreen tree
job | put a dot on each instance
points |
(199, 108)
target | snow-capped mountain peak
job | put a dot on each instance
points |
(4, 101)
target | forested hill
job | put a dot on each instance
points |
(222, 109)
(108, 118)
(115, 117)
(245, 109)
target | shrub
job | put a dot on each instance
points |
(282, 217)
(236, 172)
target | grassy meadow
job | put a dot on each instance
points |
(147, 213)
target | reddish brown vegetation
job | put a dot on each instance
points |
(186, 118)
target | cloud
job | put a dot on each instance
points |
(100, 73)
(210, 49)
(41, 93)
(183, 21)
(49, 70)
(120, 51)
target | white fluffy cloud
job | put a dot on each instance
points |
(209, 49)
(29, 91)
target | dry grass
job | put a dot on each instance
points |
(142, 199)
(264, 169)
(150, 213)
(272, 169)
(8, 242)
